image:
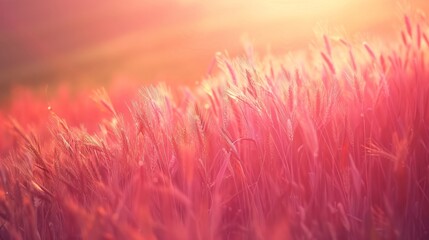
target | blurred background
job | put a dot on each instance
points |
(90, 42)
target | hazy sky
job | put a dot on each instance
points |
(173, 41)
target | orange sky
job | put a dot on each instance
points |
(165, 40)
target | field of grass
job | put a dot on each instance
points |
(329, 143)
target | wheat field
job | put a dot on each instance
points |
(331, 142)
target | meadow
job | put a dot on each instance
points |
(331, 142)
